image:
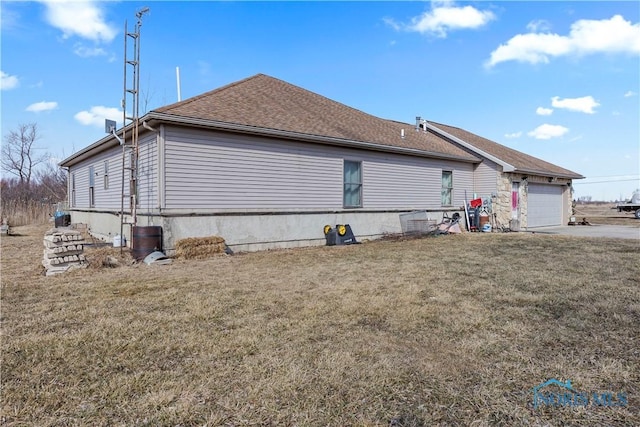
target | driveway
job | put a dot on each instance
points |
(612, 231)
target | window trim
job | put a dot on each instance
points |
(92, 182)
(449, 189)
(73, 190)
(345, 184)
(106, 174)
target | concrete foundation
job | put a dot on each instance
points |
(253, 231)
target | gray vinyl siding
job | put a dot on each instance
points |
(108, 199)
(216, 171)
(403, 182)
(485, 178)
(148, 174)
(233, 172)
(82, 185)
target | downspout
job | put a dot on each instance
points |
(146, 126)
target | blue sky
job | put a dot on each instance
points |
(557, 80)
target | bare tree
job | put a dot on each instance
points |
(18, 152)
(52, 183)
(147, 96)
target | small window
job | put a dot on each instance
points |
(92, 180)
(352, 184)
(106, 174)
(447, 188)
(73, 190)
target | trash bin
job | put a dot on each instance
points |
(474, 219)
(63, 220)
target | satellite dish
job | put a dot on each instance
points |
(109, 126)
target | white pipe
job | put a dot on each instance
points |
(113, 132)
(178, 82)
(146, 126)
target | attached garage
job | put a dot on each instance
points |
(544, 205)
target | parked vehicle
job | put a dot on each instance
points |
(632, 205)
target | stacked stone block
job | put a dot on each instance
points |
(63, 251)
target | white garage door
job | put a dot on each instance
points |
(544, 205)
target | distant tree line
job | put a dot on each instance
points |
(584, 199)
(32, 186)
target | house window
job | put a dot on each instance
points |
(92, 180)
(73, 190)
(447, 188)
(106, 174)
(352, 184)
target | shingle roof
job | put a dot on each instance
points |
(265, 102)
(521, 161)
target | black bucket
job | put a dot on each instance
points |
(62, 220)
(146, 240)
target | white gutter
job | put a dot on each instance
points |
(105, 143)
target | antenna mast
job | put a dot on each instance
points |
(131, 95)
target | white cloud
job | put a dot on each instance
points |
(547, 131)
(513, 135)
(539, 25)
(541, 111)
(8, 82)
(9, 19)
(86, 52)
(96, 116)
(42, 106)
(84, 19)
(629, 94)
(586, 104)
(615, 35)
(392, 23)
(443, 17)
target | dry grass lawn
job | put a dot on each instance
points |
(452, 330)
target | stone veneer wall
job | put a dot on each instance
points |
(502, 203)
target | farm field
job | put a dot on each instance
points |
(604, 213)
(450, 330)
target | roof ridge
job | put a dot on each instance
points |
(451, 126)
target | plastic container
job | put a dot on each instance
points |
(475, 203)
(484, 220)
(119, 241)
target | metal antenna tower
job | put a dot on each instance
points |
(131, 97)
